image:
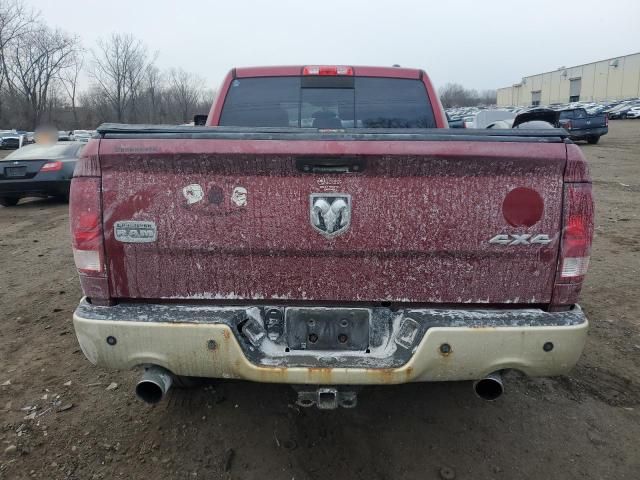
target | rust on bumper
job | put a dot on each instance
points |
(445, 344)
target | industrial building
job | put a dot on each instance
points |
(612, 79)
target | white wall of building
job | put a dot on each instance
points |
(611, 79)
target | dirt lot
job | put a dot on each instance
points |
(60, 419)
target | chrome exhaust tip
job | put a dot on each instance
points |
(154, 384)
(490, 387)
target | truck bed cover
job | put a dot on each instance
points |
(123, 131)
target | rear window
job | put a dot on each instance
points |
(327, 102)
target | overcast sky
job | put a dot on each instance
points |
(481, 44)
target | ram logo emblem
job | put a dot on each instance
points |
(330, 213)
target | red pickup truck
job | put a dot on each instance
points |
(327, 230)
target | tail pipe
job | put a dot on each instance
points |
(154, 384)
(490, 387)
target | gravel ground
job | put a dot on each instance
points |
(60, 417)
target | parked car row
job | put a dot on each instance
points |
(13, 139)
(625, 110)
(580, 124)
(618, 109)
(464, 117)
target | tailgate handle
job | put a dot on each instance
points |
(330, 165)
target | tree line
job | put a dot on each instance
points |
(41, 68)
(455, 95)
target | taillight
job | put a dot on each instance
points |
(606, 119)
(51, 167)
(330, 70)
(577, 232)
(85, 215)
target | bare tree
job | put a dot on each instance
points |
(55, 103)
(153, 92)
(94, 108)
(204, 104)
(41, 69)
(34, 64)
(16, 20)
(488, 97)
(185, 91)
(455, 95)
(118, 68)
(69, 81)
(206, 100)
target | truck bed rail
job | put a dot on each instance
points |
(125, 131)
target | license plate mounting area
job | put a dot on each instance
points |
(316, 328)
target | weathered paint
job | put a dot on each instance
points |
(422, 215)
(234, 223)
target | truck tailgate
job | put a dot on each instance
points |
(240, 219)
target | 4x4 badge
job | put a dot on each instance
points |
(521, 239)
(330, 213)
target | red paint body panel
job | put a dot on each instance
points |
(577, 167)
(434, 98)
(213, 119)
(269, 71)
(422, 216)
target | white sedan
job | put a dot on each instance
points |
(633, 112)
